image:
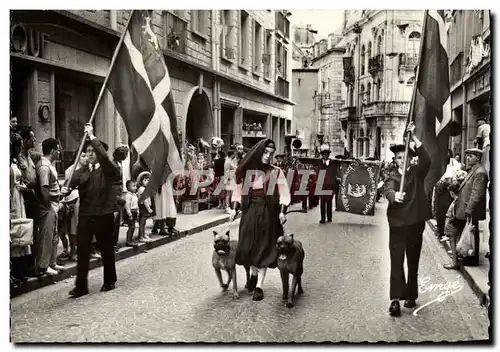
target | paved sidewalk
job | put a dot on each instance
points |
(187, 224)
(476, 276)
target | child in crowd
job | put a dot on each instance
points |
(131, 211)
(145, 209)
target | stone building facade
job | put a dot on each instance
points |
(328, 98)
(379, 73)
(228, 69)
(469, 52)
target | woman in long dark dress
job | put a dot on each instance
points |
(263, 212)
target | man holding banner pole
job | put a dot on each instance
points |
(407, 212)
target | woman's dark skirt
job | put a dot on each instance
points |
(259, 231)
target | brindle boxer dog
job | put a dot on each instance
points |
(290, 261)
(224, 258)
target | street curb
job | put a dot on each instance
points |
(482, 296)
(125, 252)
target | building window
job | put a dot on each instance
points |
(175, 30)
(227, 36)
(414, 44)
(361, 143)
(363, 60)
(367, 147)
(379, 89)
(368, 92)
(281, 60)
(362, 94)
(411, 81)
(369, 50)
(244, 42)
(199, 22)
(379, 46)
(351, 95)
(266, 58)
(257, 48)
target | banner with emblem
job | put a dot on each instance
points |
(358, 188)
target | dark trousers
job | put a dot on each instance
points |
(405, 239)
(326, 207)
(100, 226)
(116, 228)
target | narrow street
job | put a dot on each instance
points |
(171, 294)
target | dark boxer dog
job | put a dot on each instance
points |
(290, 261)
(224, 258)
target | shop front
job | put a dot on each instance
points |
(57, 69)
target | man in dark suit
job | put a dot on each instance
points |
(328, 183)
(406, 213)
(96, 214)
(469, 206)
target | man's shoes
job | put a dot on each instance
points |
(172, 231)
(487, 255)
(395, 309)
(251, 283)
(131, 244)
(258, 294)
(107, 287)
(57, 267)
(163, 233)
(410, 303)
(75, 293)
(329, 220)
(51, 271)
(96, 255)
(322, 221)
(451, 266)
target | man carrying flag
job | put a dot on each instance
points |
(408, 189)
(140, 86)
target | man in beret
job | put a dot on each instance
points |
(406, 213)
(97, 205)
(325, 201)
(470, 205)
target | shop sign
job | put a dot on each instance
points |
(27, 41)
(479, 85)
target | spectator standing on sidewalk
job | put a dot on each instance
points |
(27, 161)
(470, 205)
(131, 211)
(145, 206)
(119, 155)
(97, 205)
(49, 195)
(21, 230)
(406, 213)
(72, 203)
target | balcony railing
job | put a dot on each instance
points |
(375, 64)
(282, 25)
(410, 60)
(282, 88)
(380, 108)
(175, 32)
(347, 113)
(348, 64)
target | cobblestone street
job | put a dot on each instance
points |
(171, 294)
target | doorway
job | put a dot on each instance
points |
(227, 126)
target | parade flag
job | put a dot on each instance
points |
(358, 187)
(432, 107)
(140, 85)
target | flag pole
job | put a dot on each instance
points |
(412, 103)
(99, 97)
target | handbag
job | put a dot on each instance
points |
(21, 232)
(465, 246)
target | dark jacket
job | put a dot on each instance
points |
(97, 194)
(416, 207)
(472, 194)
(330, 174)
